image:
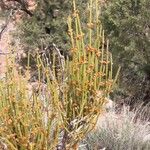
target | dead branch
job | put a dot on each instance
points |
(61, 57)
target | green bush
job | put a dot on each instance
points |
(126, 24)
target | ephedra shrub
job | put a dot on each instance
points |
(75, 96)
(26, 120)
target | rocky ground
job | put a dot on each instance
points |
(6, 37)
(5, 44)
(8, 43)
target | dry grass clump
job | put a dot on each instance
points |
(119, 132)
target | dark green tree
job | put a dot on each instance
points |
(127, 25)
(47, 25)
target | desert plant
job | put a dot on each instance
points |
(89, 77)
(26, 120)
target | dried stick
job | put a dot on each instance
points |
(61, 57)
